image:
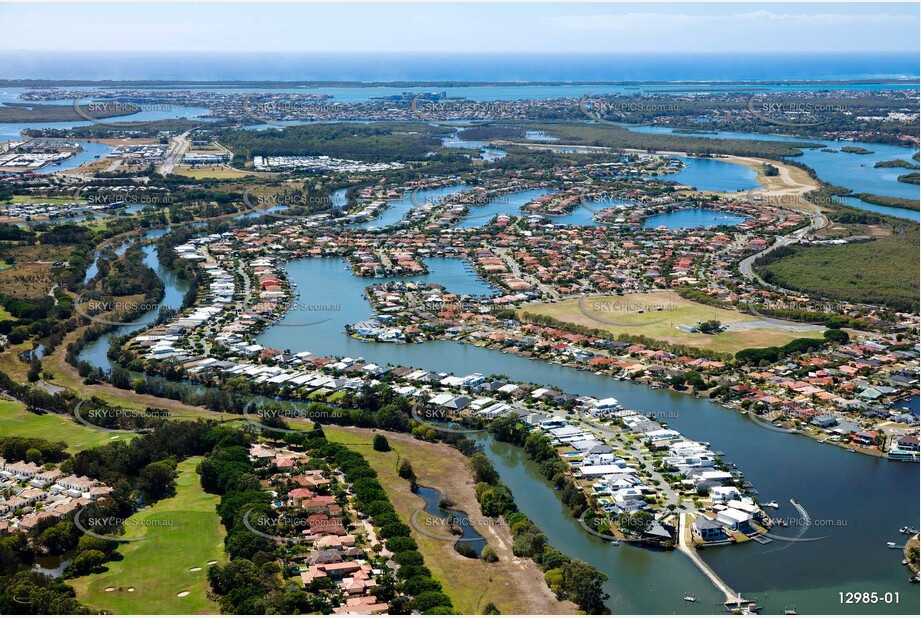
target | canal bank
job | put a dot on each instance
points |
(781, 466)
(807, 574)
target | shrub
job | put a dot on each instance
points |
(381, 444)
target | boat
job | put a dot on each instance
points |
(850, 450)
(890, 545)
(773, 504)
(914, 579)
(615, 542)
(690, 598)
(789, 611)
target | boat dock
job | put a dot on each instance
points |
(733, 598)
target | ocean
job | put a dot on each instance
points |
(490, 67)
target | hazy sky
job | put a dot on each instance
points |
(510, 27)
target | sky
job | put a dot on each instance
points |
(462, 27)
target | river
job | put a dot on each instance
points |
(868, 499)
(873, 498)
(96, 353)
(865, 500)
(843, 169)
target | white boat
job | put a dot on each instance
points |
(890, 545)
(690, 598)
(773, 504)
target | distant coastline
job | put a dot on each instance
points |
(162, 83)
(468, 68)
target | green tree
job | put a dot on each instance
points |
(635, 523)
(482, 469)
(380, 443)
(157, 479)
(86, 562)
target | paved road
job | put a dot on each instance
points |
(516, 271)
(818, 221)
(608, 434)
(175, 153)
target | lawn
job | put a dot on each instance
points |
(15, 420)
(40, 199)
(658, 315)
(189, 535)
(213, 171)
(515, 585)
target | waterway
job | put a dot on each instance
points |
(397, 209)
(843, 169)
(823, 478)
(860, 501)
(469, 536)
(714, 175)
(11, 131)
(93, 270)
(509, 204)
(692, 218)
(866, 500)
(175, 288)
(486, 154)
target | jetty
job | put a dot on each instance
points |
(733, 598)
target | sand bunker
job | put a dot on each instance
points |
(194, 569)
(184, 593)
(110, 589)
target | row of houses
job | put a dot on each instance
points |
(334, 553)
(38, 492)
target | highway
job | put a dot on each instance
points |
(177, 149)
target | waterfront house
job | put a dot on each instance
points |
(724, 493)
(733, 518)
(628, 500)
(604, 406)
(908, 443)
(708, 530)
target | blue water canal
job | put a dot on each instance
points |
(843, 169)
(468, 539)
(823, 478)
(693, 218)
(857, 502)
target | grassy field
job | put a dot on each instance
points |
(158, 569)
(32, 276)
(40, 199)
(662, 313)
(884, 271)
(213, 171)
(15, 420)
(515, 585)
